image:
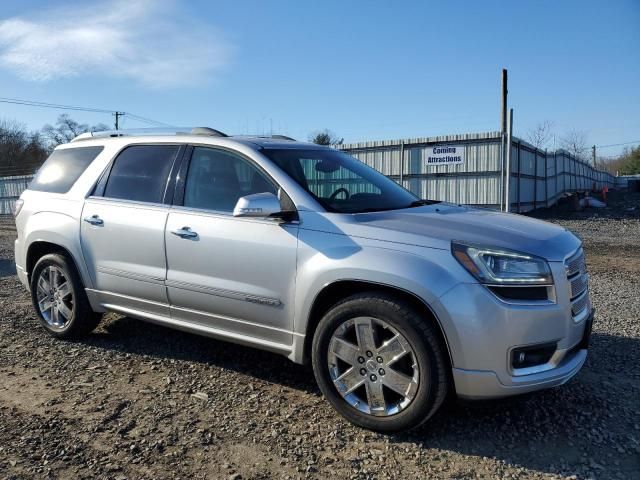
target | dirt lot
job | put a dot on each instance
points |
(139, 401)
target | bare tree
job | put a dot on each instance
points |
(66, 129)
(575, 142)
(541, 134)
(325, 137)
(21, 152)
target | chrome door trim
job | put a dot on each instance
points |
(127, 203)
(193, 327)
(232, 294)
(235, 320)
(117, 301)
(131, 275)
(229, 216)
(147, 309)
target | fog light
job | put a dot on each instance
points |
(532, 355)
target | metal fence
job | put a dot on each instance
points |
(10, 190)
(537, 179)
(625, 181)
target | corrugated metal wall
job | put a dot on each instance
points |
(10, 190)
(537, 178)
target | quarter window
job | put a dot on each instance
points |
(63, 167)
(140, 173)
(217, 179)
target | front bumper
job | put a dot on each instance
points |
(481, 385)
(483, 333)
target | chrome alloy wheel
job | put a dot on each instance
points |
(373, 366)
(55, 297)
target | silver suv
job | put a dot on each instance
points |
(304, 251)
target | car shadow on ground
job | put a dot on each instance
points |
(586, 423)
(133, 336)
(552, 430)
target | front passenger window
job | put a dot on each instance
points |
(217, 179)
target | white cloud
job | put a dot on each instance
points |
(148, 41)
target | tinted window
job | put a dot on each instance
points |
(340, 182)
(141, 172)
(217, 179)
(63, 168)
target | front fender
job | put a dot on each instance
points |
(325, 258)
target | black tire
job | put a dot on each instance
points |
(83, 319)
(421, 335)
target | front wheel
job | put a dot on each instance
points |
(379, 362)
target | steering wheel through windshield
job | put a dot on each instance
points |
(338, 192)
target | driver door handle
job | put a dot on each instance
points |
(185, 232)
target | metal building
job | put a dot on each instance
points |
(538, 178)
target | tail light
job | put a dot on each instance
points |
(17, 206)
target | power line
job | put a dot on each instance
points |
(148, 121)
(617, 144)
(34, 103)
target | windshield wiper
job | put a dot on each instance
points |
(420, 203)
(375, 209)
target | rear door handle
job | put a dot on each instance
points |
(94, 220)
(185, 232)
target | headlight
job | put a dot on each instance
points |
(502, 267)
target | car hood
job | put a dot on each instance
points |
(437, 225)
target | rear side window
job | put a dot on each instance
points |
(63, 168)
(141, 172)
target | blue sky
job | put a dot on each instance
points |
(364, 69)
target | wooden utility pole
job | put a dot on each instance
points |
(118, 115)
(503, 139)
(504, 101)
(593, 155)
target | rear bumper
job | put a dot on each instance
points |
(481, 385)
(22, 276)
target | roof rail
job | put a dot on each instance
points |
(283, 137)
(212, 132)
(274, 137)
(150, 131)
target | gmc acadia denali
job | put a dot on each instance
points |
(305, 251)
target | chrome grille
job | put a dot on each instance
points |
(579, 304)
(576, 264)
(578, 285)
(578, 282)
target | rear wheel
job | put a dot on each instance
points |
(379, 362)
(60, 299)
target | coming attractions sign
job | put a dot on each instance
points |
(445, 155)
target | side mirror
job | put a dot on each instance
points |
(259, 205)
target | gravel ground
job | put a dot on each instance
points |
(135, 400)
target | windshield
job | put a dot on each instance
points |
(340, 182)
